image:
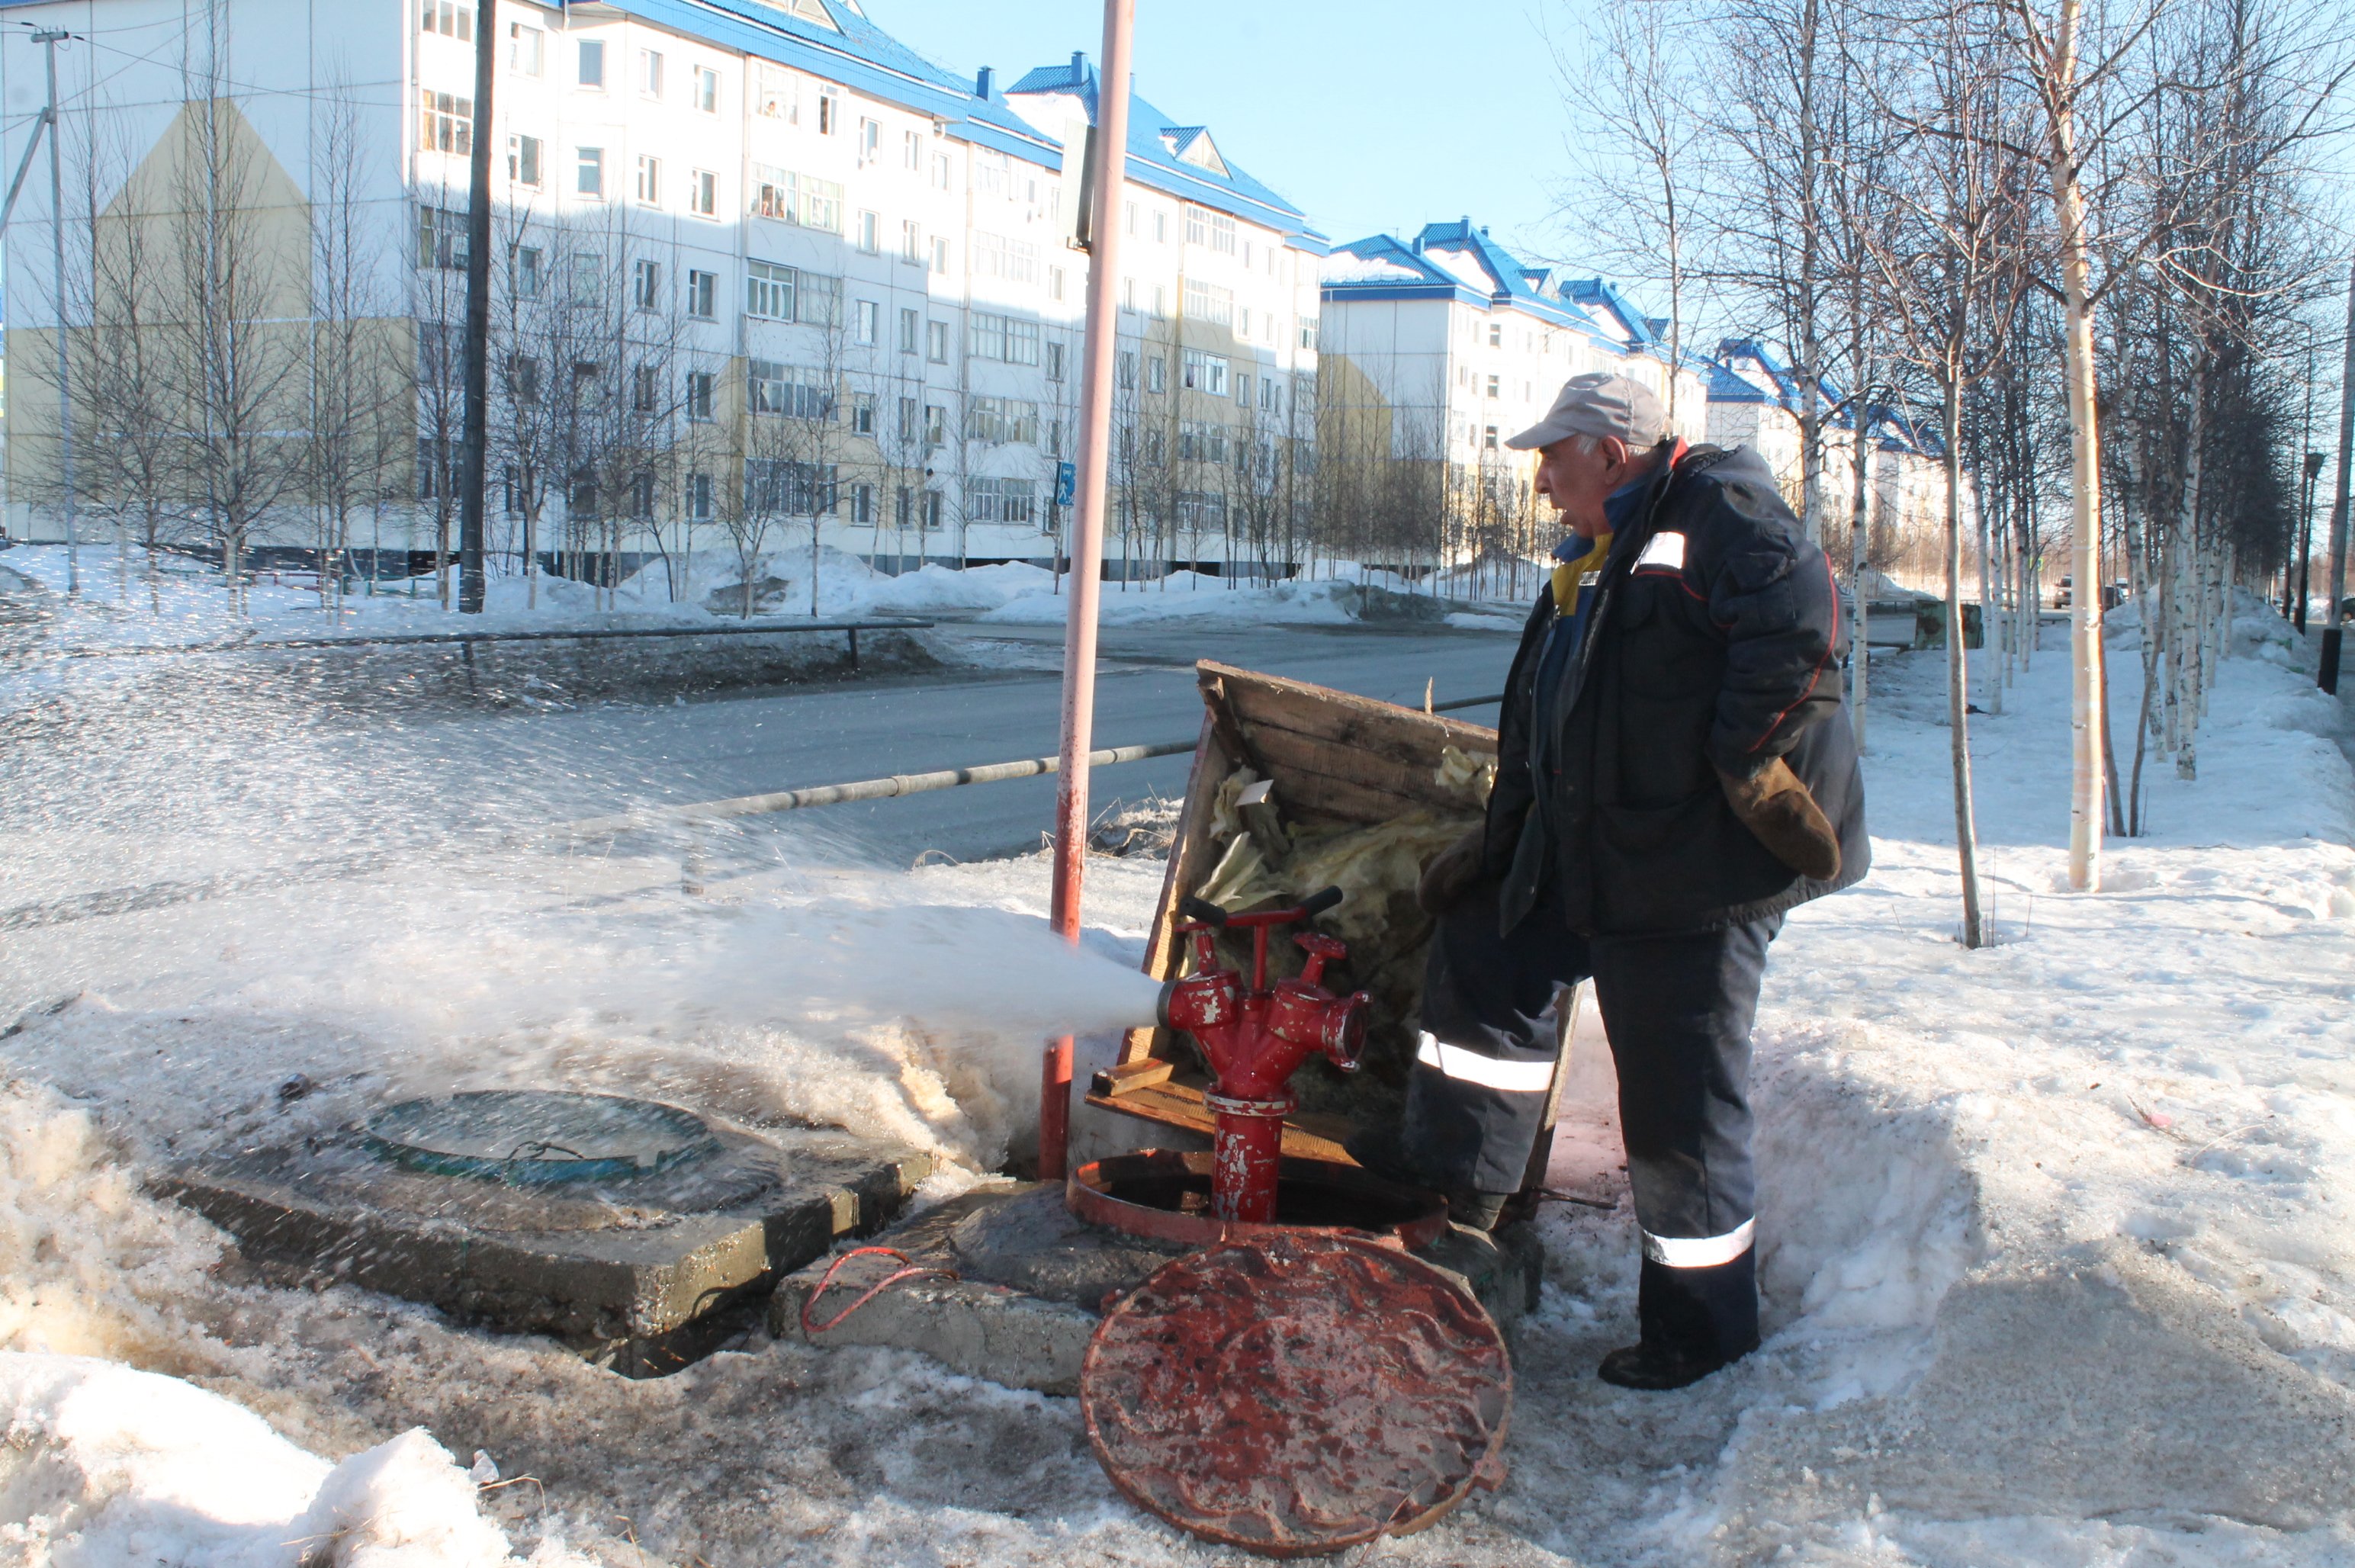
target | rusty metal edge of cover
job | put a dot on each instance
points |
(1486, 1472)
(1086, 1194)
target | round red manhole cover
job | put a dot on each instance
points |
(1295, 1395)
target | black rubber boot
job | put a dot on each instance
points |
(1694, 1321)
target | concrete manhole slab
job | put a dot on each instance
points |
(631, 1270)
(535, 1136)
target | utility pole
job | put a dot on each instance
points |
(1105, 179)
(2311, 481)
(472, 461)
(2326, 676)
(49, 38)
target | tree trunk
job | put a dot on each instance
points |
(2087, 771)
(1958, 669)
(1860, 548)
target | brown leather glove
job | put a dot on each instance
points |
(1452, 874)
(1776, 807)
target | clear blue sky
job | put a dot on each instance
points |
(1372, 115)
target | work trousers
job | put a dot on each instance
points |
(1679, 1009)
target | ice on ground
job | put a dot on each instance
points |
(2053, 1234)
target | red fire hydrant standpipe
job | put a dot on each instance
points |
(1255, 1039)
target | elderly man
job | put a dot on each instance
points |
(1675, 771)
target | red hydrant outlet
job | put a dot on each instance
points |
(1256, 1039)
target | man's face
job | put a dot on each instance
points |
(1579, 475)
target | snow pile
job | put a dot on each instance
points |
(104, 1465)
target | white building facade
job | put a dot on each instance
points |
(757, 254)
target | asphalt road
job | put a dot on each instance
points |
(127, 778)
(1005, 704)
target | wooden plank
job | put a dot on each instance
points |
(1342, 717)
(1414, 783)
(1310, 1135)
(1189, 850)
(1125, 1076)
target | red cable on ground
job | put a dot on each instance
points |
(912, 1271)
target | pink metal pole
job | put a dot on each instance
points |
(1087, 547)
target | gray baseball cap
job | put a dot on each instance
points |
(1599, 403)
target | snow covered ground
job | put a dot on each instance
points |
(2056, 1234)
(184, 603)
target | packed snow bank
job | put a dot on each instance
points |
(107, 1465)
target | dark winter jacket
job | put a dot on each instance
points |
(1713, 639)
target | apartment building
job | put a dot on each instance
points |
(1755, 401)
(751, 257)
(1468, 345)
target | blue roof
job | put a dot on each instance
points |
(861, 56)
(1154, 142)
(1509, 283)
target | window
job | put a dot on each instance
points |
(1492, 386)
(769, 291)
(589, 171)
(588, 277)
(703, 193)
(650, 72)
(785, 293)
(703, 296)
(1216, 229)
(869, 321)
(777, 94)
(523, 160)
(588, 389)
(1160, 302)
(1161, 228)
(940, 171)
(1005, 337)
(936, 342)
(645, 390)
(440, 238)
(941, 254)
(445, 122)
(649, 180)
(1124, 370)
(1488, 439)
(997, 420)
(698, 497)
(908, 428)
(1203, 511)
(1267, 393)
(907, 332)
(433, 461)
(862, 503)
(862, 414)
(527, 49)
(871, 141)
(912, 242)
(1206, 373)
(698, 396)
(530, 272)
(523, 380)
(580, 495)
(931, 509)
(1157, 374)
(1129, 295)
(1242, 389)
(782, 487)
(1307, 332)
(1208, 303)
(829, 109)
(706, 90)
(1054, 282)
(936, 425)
(1201, 442)
(870, 232)
(995, 256)
(797, 198)
(1054, 361)
(450, 18)
(645, 283)
(1000, 501)
(592, 62)
(774, 388)
(912, 151)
